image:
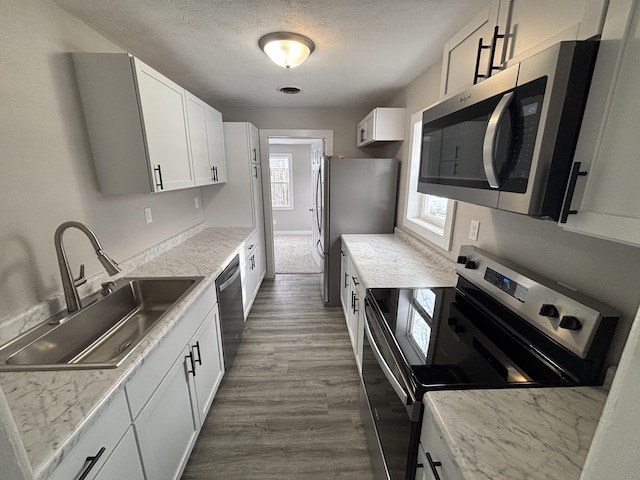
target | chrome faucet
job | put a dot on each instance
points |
(69, 284)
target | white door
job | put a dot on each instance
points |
(317, 150)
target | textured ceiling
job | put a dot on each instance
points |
(365, 49)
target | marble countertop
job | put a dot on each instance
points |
(398, 261)
(513, 434)
(53, 409)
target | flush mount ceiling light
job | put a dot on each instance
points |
(286, 49)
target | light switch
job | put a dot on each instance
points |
(147, 215)
(196, 202)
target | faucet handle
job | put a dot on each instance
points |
(81, 280)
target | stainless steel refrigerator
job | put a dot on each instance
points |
(352, 195)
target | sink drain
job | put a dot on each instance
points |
(124, 346)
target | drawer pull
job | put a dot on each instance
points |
(92, 463)
(433, 466)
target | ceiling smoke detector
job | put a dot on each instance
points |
(289, 90)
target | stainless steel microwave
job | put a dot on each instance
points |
(508, 142)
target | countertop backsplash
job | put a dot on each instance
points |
(12, 327)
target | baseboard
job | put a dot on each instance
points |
(291, 232)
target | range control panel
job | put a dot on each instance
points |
(568, 317)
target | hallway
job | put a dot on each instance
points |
(289, 407)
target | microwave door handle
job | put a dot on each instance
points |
(385, 368)
(490, 137)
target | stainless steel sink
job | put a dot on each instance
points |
(102, 334)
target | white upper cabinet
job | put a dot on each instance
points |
(461, 51)
(137, 125)
(243, 190)
(207, 143)
(508, 31)
(382, 124)
(605, 203)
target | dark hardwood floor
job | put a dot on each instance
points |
(288, 409)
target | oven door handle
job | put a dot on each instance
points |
(490, 137)
(385, 368)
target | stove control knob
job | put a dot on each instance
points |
(461, 260)
(570, 323)
(549, 310)
(471, 265)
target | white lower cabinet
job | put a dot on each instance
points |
(124, 462)
(168, 425)
(101, 451)
(167, 401)
(206, 346)
(253, 268)
(352, 294)
(434, 460)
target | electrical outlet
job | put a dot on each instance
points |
(473, 230)
(147, 215)
(196, 202)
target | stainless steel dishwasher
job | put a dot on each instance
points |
(229, 289)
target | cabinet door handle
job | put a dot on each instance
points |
(492, 54)
(355, 281)
(216, 170)
(255, 155)
(353, 302)
(346, 280)
(255, 171)
(159, 170)
(92, 463)
(571, 187)
(193, 364)
(433, 466)
(199, 359)
(476, 75)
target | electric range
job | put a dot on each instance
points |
(501, 326)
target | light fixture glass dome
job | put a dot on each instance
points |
(286, 49)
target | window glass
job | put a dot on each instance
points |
(281, 175)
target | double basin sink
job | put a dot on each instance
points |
(102, 334)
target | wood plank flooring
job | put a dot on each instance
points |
(288, 409)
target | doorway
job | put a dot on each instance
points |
(290, 211)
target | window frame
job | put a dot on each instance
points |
(413, 220)
(289, 157)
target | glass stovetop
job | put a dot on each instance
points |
(449, 343)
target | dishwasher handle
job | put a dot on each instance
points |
(229, 275)
(228, 282)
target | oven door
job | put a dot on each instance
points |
(391, 406)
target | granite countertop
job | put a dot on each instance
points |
(52, 409)
(513, 434)
(398, 261)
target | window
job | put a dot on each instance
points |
(280, 166)
(428, 216)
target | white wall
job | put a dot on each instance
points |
(342, 121)
(298, 219)
(47, 169)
